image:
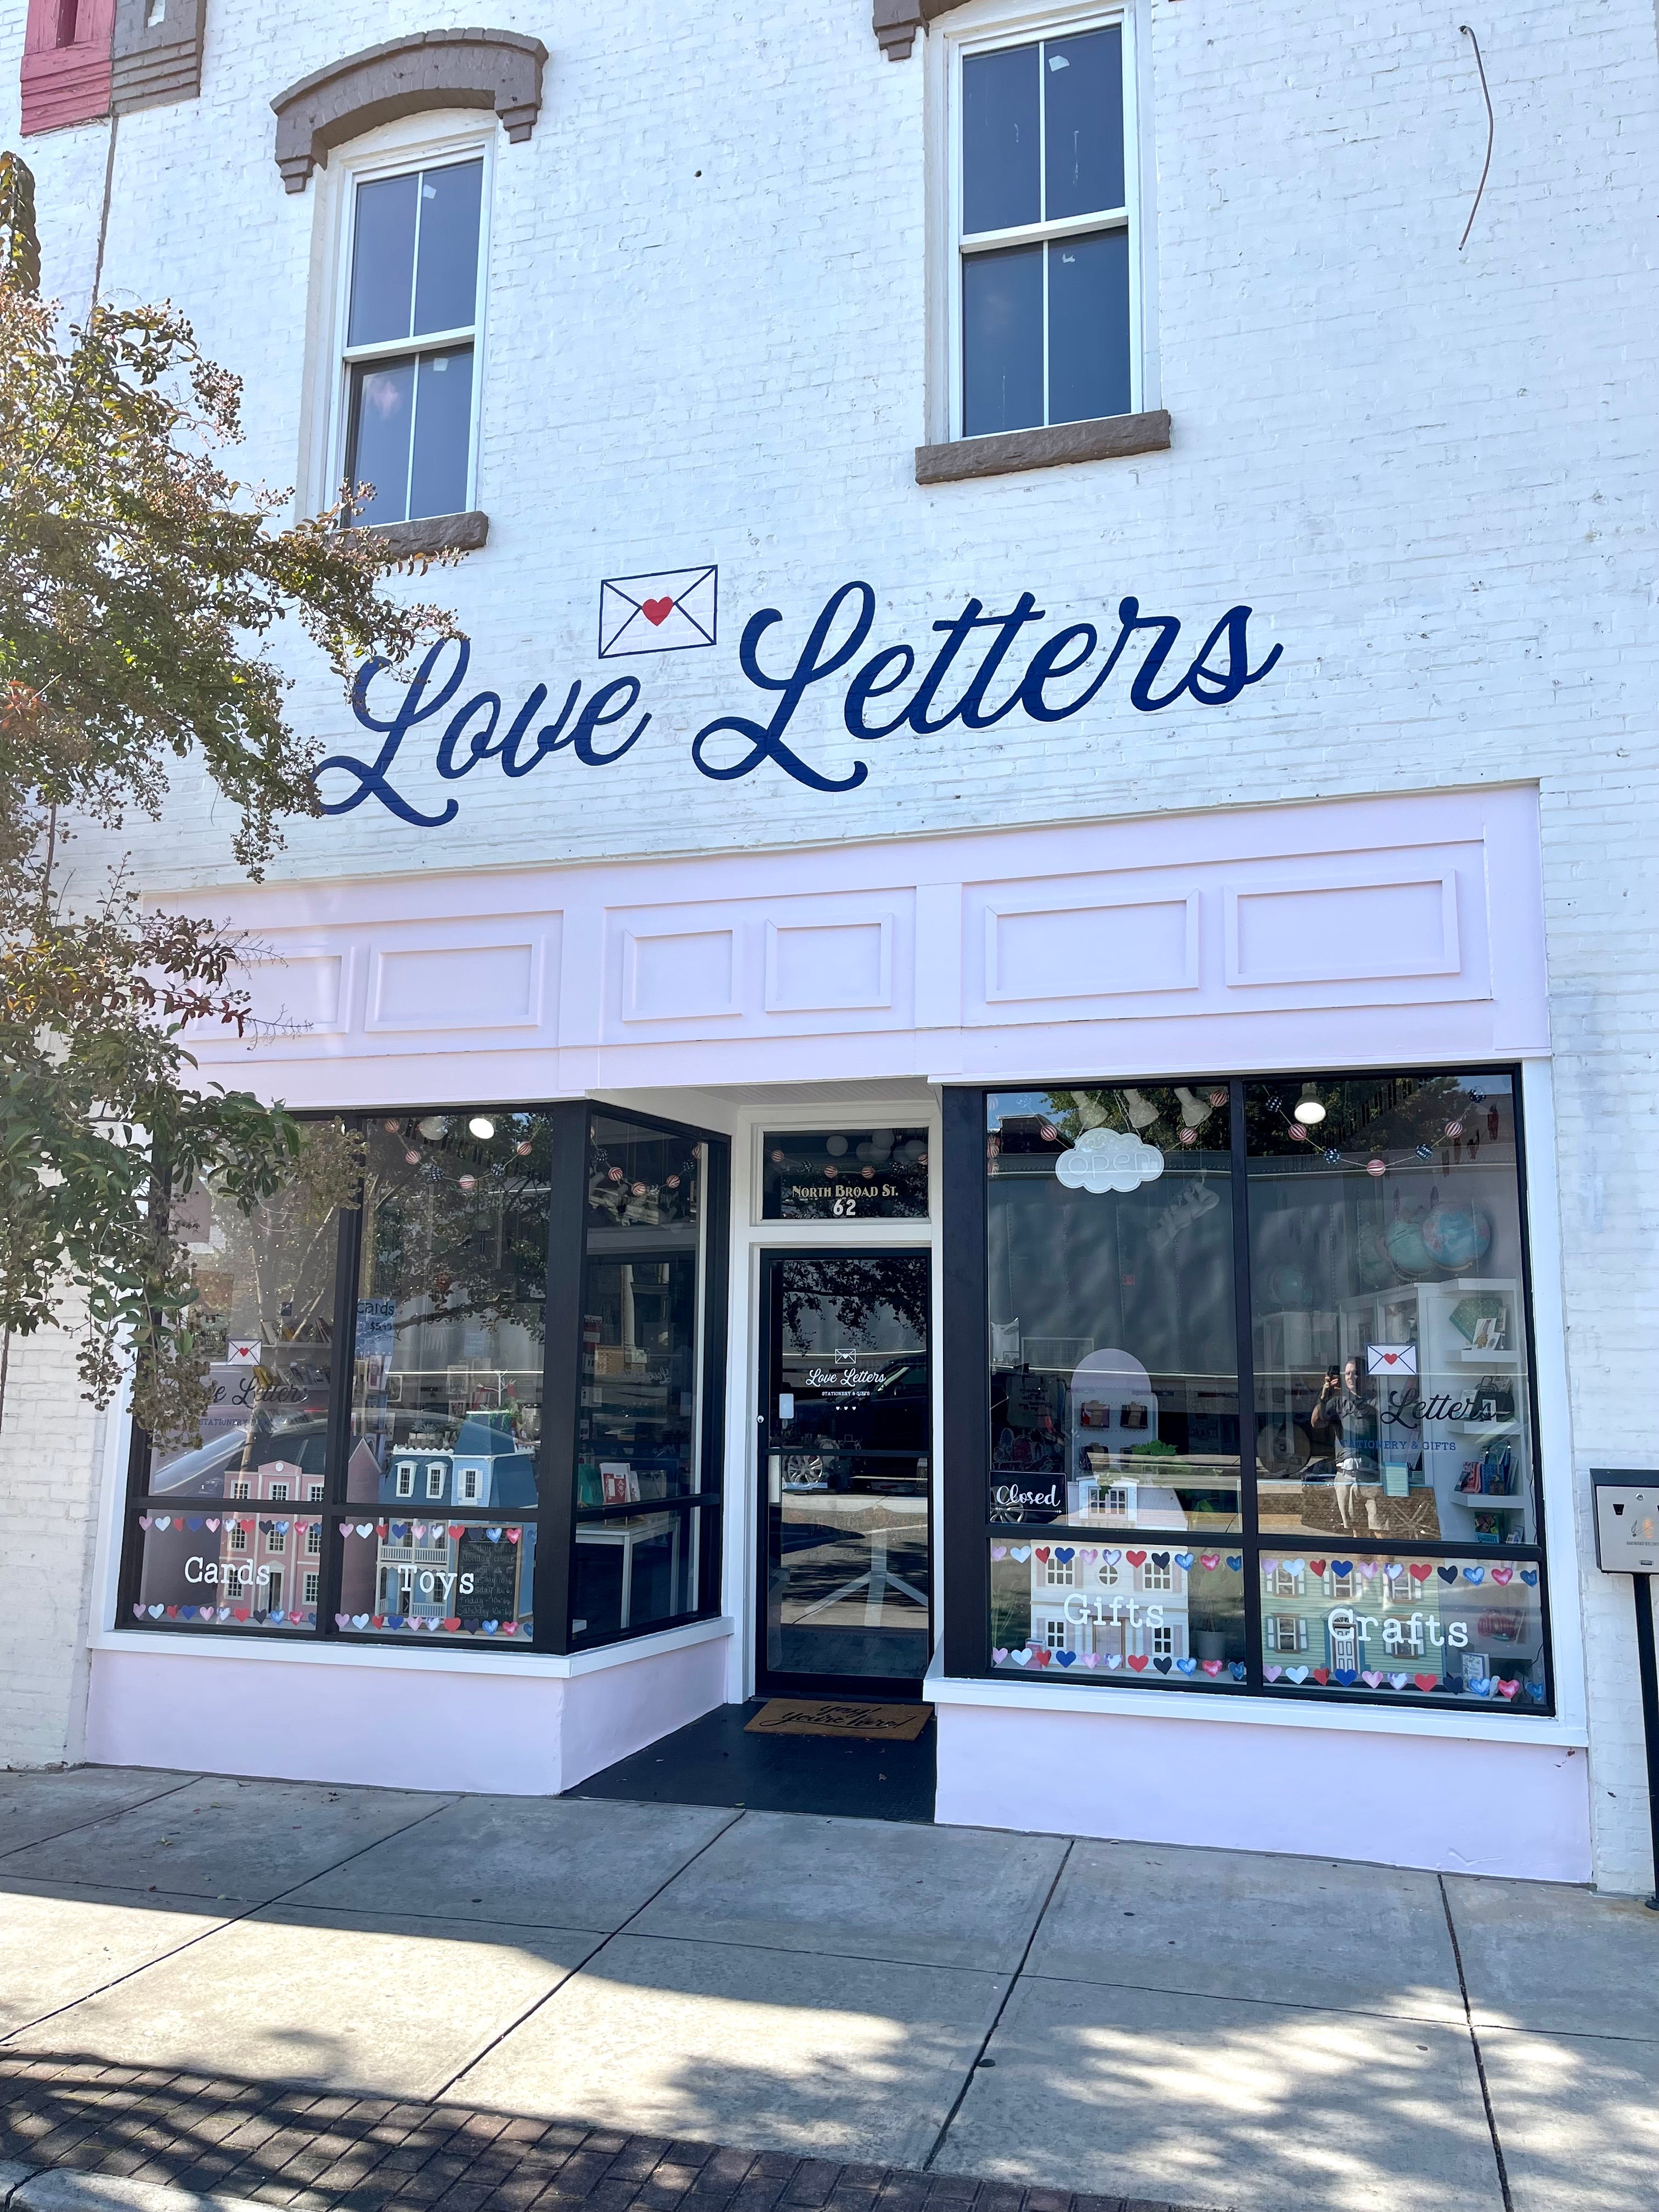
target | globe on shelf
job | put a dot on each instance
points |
(1408, 1249)
(1457, 1237)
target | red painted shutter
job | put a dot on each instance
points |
(66, 63)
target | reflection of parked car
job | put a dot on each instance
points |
(875, 1441)
(301, 1440)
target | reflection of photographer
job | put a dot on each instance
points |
(1344, 1423)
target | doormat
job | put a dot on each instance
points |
(818, 1716)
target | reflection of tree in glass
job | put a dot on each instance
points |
(854, 1291)
(1369, 1114)
(455, 1225)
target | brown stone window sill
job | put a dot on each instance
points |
(434, 533)
(1109, 438)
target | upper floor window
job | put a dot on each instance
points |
(1044, 250)
(410, 338)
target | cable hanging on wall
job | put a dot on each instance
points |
(1491, 133)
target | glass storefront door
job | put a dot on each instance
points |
(844, 1460)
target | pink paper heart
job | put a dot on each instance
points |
(1091, 1659)
(1502, 1575)
(1212, 1665)
(1212, 1560)
(513, 1534)
(1371, 1681)
(213, 1524)
(999, 1551)
(1506, 1689)
(1271, 1673)
(1000, 1656)
(1090, 1552)
(143, 1520)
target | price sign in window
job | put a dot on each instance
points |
(845, 1175)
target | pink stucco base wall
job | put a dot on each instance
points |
(1455, 1805)
(407, 1727)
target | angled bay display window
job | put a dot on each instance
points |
(1256, 1394)
(504, 1277)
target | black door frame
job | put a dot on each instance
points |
(897, 1688)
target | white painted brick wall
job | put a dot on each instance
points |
(1431, 471)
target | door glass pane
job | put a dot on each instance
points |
(1002, 340)
(1113, 1343)
(382, 408)
(1083, 153)
(443, 434)
(846, 1457)
(638, 1426)
(1001, 182)
(1393, 1397)
(382, 261)
(447, 271)
(1089, 327)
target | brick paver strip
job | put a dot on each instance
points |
(304, 2150)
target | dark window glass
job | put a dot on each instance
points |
(1083, 149)
(1113, 1341)
(1002, 340)
(447, 1392)
(443, 433)
(1392, 1387)
(382, 412)
(1001, 177)
(447, 268)
(383, 260)
(1089, 326)
(845, 1175)
(637, 1557)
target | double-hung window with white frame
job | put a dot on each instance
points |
(410, 322)
(1047, 309)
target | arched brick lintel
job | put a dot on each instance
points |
(501, 69)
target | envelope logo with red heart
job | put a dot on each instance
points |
(1391, 1359)
(663, 613)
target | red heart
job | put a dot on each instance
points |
(457, 1529)
(1506, 1689)
(1136, 1558)
(1318, 1565)
(451, 1625)
(1040, 1552)
(509, 1628)
(513, 1534)
(1426, 1681)
(173, 1612)
(1321, 1675)
(1420, 1570)
(656, 611)
(1138, 1660)
(1042, 1658)
(241, 1613)
(378, 1620)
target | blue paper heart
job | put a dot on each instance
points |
(1162, 1665)
(195, 1521)
(400, 1532)
(1187, 1666)
(1235, 1561)
(186, 1612)
(1536, 1692)
(1447, 1574)
(1481, 1688)
(1474, 1574)
(1529, 1576)
(394, 1620)
(1160, 1558)
(1235, 1668)
(1184, 1561)
(1347, 1676)
(1066, 1658)
(490, 1626)
(1066, 1553)
(281, 1527)
(1342, 1567)
(278, 1618)
(493, 1535)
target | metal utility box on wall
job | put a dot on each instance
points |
(1626, 1520)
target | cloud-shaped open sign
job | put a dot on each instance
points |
(1108, 1159)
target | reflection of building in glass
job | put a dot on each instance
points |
(1457, 1623)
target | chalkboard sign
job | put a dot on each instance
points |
(495, 1571)
(845, 1175)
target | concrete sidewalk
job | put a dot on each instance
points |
(1118, 2019)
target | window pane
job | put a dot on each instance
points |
(1392, 1389)
(1166, 1618)
(382, 261)
(215, 1568)
(382, 403)
(1089, 327)
(637, 1429)
(443, 434)
(464, 1579)
(447, 1393)
(1083, 151)
(447, 272)
(633, 1571)
(1113, 1348)
(264, 1285)
(840, 1175)
(1465, 1627)
(1000, 178)
(1002, 340)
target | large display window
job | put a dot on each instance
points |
(512, 1280)
(1252, 1407)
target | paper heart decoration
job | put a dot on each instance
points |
(1109, 1556)
(361, 1620)
(1022, 1657)
(1271, 1673)
(164, 1521)
(1296, 1674)
(173, 1612)
(243, 1613)
(1427, 1682)
(1212, 1665)
(999, 1551)
(1092, 1660)
(1317, 1565)
(1474, 1574)
(394, 1620)
(1138, 1660)
(365, 1528)
(1502, 1576)
(1162, 1665)
(1158, 1558)
(1420, 1570)
(1020, 1551)
(512, 1627)
(1343, 1568)
(156, 1611)
(278, 1617)
(1136, 1558)
(1321, 1675)
(213, 1524)
(1090, 1552)
(343, 1620)
(138, 1612)
(1042, 1655)
(451, 1625)
(1065, 1553)
(1235, 1561)
(458, 1529)
(380, 1528)
(1447, 1574)
(1529, 1576)
(1480, 1688)
(1235, 1668)
(1369, 1569)
(1000, 1656)
(186, 1612)
(1347, 1676)
(1113, 1660)
(1184, 1561)
(224, 1613)
(1187, 1666)
(193, 1521)
(1372, 1681)
(1506, 1689)
(493, 1535)
(1040, 1552)
(1212, 1560)
(1067, 1658)
(1293, 1566)
(1536, 1692)
(1270, 1566)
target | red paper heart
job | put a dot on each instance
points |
(1042, 1658)
(451, 1625)
(1040, 1552)
(1420, 1570)
(1138, 1660)
(1506, 1689)
(1136, 1558)
(457, 1529)
(1321, 1675)
(241, 1613)
(173, 1612)
(1318, 1565)
(509, 1628)
(1426, 1681)
(656, 611)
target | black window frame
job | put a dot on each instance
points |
(965, 1439)
(553, 1516)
